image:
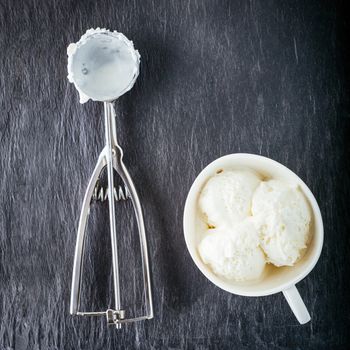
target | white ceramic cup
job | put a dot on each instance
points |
(282, 279)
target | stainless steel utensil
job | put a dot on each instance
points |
(111, 157)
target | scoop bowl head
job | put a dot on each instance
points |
(102, 65)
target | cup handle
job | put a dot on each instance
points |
(297, 305)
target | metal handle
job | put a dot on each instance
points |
(79, 247)
(125, 176)
(111, 203)
(111, 156)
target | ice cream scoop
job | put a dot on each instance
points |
(282, 218)
(226, 197)
(103, 65)
(234, 253)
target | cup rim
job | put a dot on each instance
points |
(187, 221)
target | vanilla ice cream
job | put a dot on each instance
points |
(234, 253)
(250, 223)
(282, 217)
(226, 197)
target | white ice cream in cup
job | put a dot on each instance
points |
(275, 279)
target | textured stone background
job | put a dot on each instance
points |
(217, 77)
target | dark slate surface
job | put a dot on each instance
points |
(217, 77)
